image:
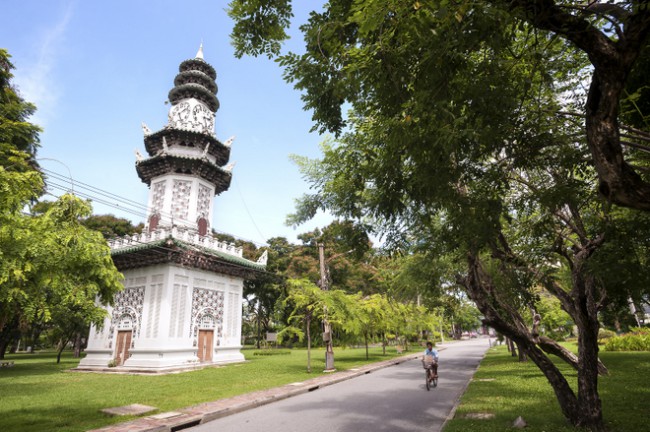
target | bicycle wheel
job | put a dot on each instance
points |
(426, 376)
(435, 381)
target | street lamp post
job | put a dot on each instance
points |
(327, 329)
(66, 167)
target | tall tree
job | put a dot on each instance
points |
(312, 304)
(458, 134)
(20, 183)
(349, 257)
(359, 51)
(51, 267)
(111, 226)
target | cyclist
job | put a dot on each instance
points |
(432, 352)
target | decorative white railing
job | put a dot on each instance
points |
(186, 235)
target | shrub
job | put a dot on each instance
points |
(640, 330)
(604, 335)
(638, 340)
(270, 352)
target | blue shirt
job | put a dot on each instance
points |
(431, 352)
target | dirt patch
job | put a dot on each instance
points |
(133, 409)
(479, 416)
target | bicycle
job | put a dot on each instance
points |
(430, 366)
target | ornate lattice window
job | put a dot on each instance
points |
(181, 198)
(128, 302)
(125, 323)
(157, 196)
(204, 201)
(206, 302)
(207, 322)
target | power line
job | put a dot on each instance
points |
(95, 198)
(100, 196)
(101, 192)
(160, 250)
(246, 208)
(121, 203)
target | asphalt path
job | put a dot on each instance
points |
(393, 399)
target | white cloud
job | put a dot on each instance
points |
(35, 82)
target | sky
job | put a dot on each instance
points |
(97, 69)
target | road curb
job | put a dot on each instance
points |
(209, 411)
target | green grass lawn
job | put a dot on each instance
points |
(507, 389)
(39, 395)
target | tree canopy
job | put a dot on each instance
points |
(52, 268)
(470, 133)
(393, 54)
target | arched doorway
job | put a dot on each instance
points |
(206, 338)
(203, 226)
(124, 336)
(154, 220)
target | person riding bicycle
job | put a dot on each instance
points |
(433, 353)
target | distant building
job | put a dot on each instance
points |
(181, 306)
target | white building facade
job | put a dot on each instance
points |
(181, 307)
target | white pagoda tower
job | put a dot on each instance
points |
(182, 300)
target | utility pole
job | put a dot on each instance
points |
(327, 329)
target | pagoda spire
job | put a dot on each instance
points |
(187, 164)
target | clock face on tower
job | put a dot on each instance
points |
(202, 118)
(192, 115)
(179, 114)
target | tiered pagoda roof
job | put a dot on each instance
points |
(187, 144)
(179, 164)
(195, 80)
(183, 253)
(154, 144)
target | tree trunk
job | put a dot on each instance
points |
(3, 348)
(584, 410)
(35, 334)
(513, 349)
(14, 346)
(77, 346)
(63, 343)
(552, 347)
(259, 327)
(619, 182)
(563, 392)
(8, 333)
(566, 397)
(522, 355)
(365, 336)
(587, 321)
(612, 62)
(308, 330)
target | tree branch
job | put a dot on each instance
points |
(550, 346)
(612, 61)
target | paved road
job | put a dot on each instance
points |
(393, 399)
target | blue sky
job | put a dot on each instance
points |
(97, 69)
